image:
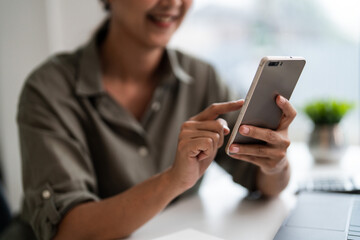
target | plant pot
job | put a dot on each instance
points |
(327, 143)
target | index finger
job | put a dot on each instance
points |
(216, 109)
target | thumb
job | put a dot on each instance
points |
(225, 125)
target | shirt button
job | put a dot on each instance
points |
(143, 151)
(46, 194)
(156, 106)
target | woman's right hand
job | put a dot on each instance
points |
(199, 139)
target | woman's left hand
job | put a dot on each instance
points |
(270, 157)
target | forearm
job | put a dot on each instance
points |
(121, 215)
(272, 184)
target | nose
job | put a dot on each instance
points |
(170, 3)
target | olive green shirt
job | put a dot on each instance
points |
(80, 145)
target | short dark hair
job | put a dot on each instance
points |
(105, 4)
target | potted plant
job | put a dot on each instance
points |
(326, 142)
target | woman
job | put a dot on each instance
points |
(112, 133)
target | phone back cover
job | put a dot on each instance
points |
(262, 110)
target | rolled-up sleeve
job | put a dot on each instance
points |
(57, 170)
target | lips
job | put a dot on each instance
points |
(163, 20)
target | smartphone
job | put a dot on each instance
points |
(275, 76)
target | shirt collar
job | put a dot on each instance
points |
(176, 68)
(89, 75)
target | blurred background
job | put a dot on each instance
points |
(231, 34)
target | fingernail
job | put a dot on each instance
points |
(282, 99)
(244, 130)
(234, 149)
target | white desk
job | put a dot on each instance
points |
(221, 210)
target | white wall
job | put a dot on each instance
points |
(23, 44)
(71, 22)
(29, 32)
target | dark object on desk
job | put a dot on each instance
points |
(319, 216)
(332, 184)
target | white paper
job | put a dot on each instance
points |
(188, 234)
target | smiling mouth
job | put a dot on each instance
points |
(163, 20)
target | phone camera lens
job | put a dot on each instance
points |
(273, 64)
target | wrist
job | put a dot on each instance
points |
(271, 184)
(278, 170)
(176, 181)
(172, 182)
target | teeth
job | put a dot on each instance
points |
(163, 19)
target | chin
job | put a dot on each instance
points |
(159, 42)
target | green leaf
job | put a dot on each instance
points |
(330, 111)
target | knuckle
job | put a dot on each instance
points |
(270, 136)
(181, 145)
(287, 143)
(186, 125)
(261, 150)
(217, 137)
(271, 164)
(183, 134)
(282, 155)
(219, 126)
(222, 122)
(253, 158)
(209, 142)
(213, 106)
(290, 109)
(253, 132)
(294, 113)
(193, 118)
